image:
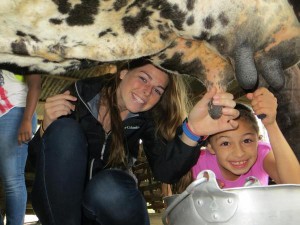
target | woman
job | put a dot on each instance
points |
(85, 156)
(19, 96)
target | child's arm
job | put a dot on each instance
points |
(34, 90)
(281, 163)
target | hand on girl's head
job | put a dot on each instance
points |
(201, 122)
(226, 100)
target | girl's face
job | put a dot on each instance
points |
(236, 150)
(141, 88)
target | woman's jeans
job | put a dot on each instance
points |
(62, 195)
(12, 165)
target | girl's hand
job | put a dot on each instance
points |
(264, 102)
(56, 106)
(201, 123)
(25, 131)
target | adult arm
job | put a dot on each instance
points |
(281, 163)
(35, 143)
(171, 160)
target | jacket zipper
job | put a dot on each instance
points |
(106, 135)
(104, 145)
(101, 157)
(88, 108)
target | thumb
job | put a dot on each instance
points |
(67, 92)
(209, 94)
(249, 96)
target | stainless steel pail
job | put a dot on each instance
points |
(204, 203)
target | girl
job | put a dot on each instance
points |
(19, 96)
(237, 154)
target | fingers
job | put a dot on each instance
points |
(233, 124)
(64, 96)
(24, 137)
(58, 108)
(210, 93)
(230, 113)
(263, 98)
(224, 99)
(263, 102)
(201, 122)
(58, 105)
(25, 131)
(227, 122)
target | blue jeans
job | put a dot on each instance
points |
(12, 165)
(62, 195)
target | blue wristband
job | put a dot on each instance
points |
(188, 133)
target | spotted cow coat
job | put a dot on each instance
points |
(56, 36)
(217, 41)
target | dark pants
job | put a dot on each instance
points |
(61, 195)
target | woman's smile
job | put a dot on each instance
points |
(137, 99)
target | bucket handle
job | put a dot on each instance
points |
(182, 196)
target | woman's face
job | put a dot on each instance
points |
(236, 150)
(141, 88)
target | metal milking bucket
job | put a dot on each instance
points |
(204, 203)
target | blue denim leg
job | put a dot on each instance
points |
(12, 165)
(112, 198)
(60, 174)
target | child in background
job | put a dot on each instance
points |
(19, 96)
(238, 154)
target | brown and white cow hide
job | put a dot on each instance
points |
(56, 36)
(216, 41)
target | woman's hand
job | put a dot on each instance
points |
(201, 123)
(264, 102)
(56, 106)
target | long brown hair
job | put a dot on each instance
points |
(168, 113)
(172, 108)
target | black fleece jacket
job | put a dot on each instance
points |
(168, 160)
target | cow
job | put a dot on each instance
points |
(216, 41)
(57, 36)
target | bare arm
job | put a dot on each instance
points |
(34, 89)
(281, 164)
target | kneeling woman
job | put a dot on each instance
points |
(89, 140)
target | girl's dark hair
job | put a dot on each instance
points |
(247, 114)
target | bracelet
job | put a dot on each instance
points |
(187, 131)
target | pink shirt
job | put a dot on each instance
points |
(207, 161)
